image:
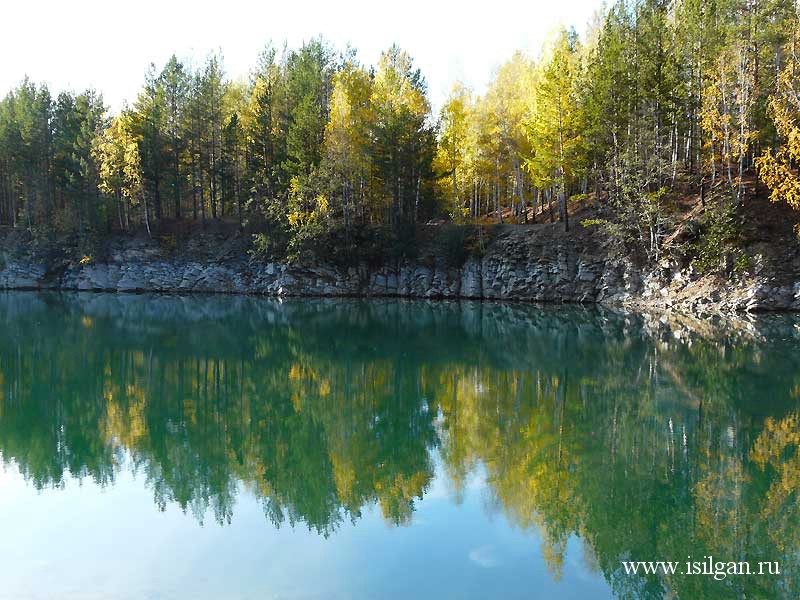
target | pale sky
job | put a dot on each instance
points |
(108, 44)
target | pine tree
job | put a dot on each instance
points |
(174, 84)
(402, 138)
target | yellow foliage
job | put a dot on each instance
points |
(778, 446)
(295, 372)
(727, 106)
(300, 218)
(117, 153)
(775, 168)
(297, 401)
(344, 474)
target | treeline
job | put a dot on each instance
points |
(312, 136)
(661, 95)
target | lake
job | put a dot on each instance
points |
(235, 447)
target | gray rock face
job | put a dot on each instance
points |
(25, 275)
(516, 266)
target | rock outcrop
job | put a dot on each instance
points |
(517, 265)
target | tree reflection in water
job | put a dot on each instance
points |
(650, 439)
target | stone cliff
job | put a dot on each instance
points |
(518, 265)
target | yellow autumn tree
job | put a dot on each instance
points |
(120, 168)
(554, 129)
(346, 142)
(776, 168)
(508, 104)
(454, 148)
(778, 447)
(726, 114)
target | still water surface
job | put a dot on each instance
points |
(223, 447)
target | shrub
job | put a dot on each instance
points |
(453, 242)
(457, 243)
(168, 243)
(719, 246)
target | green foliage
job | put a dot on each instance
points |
(453, 242)
(91, 243)
(309, 77)
(569, 437)
(656, 96)
(638, 219)
(168, 243)
(402, 140)
(395, 243)
(263, 247)
(309, 225)
(615, 231)
(719, 247)
(272, 235)
(555, 128)
(457, 243)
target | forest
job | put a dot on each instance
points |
(660, 99)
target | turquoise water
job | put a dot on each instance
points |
(228, 447)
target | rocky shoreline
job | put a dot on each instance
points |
(516, 266)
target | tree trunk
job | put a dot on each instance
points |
(119, 211)
(177, 184)
(562, 201)
(146, 208)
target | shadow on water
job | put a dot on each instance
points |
(650, 439)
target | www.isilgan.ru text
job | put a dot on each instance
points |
(717, 569)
